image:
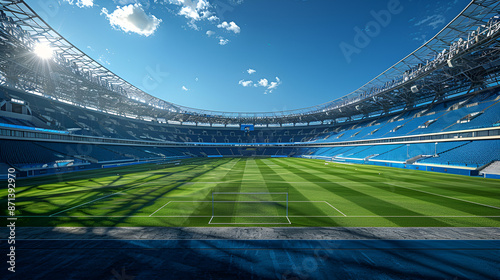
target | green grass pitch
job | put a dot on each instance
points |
(319, 195)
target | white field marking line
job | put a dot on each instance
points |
(335, 209)
(288, 220)
(459, 199)
(223, 201)
(283, 181)
(210, 220)
(323, 201)
(87, 202)
(197, 201)
(244, 201)
(117, 216)
(98, 199)
(249, 223)
(292, 216)
(160, 208)
(396, 216)
(250, 216)
(305, 182)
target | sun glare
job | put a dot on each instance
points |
(43, 50)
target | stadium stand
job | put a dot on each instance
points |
(468, 154)
(23, 152)
(455, 126)
(92, 123)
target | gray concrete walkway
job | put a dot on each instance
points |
(257, 233)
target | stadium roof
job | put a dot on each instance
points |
(452, 62)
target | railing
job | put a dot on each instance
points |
(472, 134)
(456, 38)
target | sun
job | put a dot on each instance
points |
(43, 50)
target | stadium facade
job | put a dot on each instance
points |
(437, 109)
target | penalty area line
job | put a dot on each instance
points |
(133, 187)
(84, 204)
(160, 208)
(445, 196)
(335, 209)
(291, 216)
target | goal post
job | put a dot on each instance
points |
(249, 208)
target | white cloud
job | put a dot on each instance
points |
(263, 82)
(222, 41)
(133, 18)
(184, 88)
(435, 21)
(235, 2)
(230, 26)
(273, 85)
(193, 9)
(81, 3)
(213, 18)
(245, 83)
(125, 2)
(251, 71)
(269, 86)
(193, 25)
(200, 14)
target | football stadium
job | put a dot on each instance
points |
(104, 179)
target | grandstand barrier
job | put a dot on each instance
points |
(457, 171)
(353, 160)
(33, 128)
(491, 176)
(56, 170)
(440, 169)
(317, 157)
(215, 156)
(118, 161)
(83, 167)
(279, 156)
(142, 162)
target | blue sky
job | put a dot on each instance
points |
(247, 55)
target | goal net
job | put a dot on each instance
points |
(249, 208)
